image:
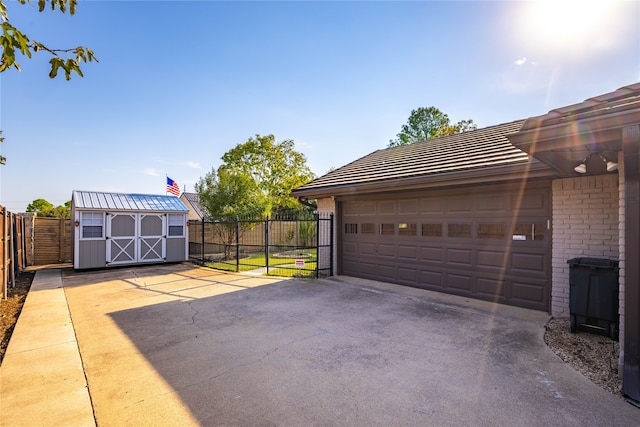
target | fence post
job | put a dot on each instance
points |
(266, 244)
(3, 253)
(317, 218)
(12, 250)
(331, 245)
(202, 248)
(237, 245)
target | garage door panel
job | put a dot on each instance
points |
(432, 278)
(407, 275)
(429, 253)
(532, 201)
(367, 208)
(350, 248)
(407, 207)
(459, 256)
(360, 267)
(407, 252)
(367, 248)
(387, 207)
(460, 282)
(386, 271)
(459, 205)
(491, 287)
(527, 261)
(495, 203)
(432, 206)
(387, 250)
(491, 259)
(527, 291)
(350, 209)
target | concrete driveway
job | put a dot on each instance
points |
(182, 345)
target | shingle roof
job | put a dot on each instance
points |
(194, 201)
(471, 150)
(623, 99)
(131, 202)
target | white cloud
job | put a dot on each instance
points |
(521, 61)
(194, 165)
(152, 172)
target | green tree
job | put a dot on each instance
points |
(63, 211)
(228, 196)
(275, 167)
(14, 41)
(42, 207)
(427, 123)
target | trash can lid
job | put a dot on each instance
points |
(593, 262)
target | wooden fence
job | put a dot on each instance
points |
(13, 245)
(51, 240)
(27, 240)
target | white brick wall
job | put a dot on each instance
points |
(585, 224)
(328, 206)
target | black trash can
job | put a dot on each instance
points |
(593, 296)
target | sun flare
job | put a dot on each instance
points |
(569, 24)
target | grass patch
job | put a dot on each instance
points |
(258, 260)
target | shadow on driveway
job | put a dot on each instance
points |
(186, 345)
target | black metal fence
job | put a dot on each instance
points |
(301, 247)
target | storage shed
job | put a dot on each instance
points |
(112, 229)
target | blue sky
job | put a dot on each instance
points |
(179, 83)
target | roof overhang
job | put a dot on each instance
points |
(533, 170)
(565, 137)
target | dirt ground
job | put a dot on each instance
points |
(594, 356)
(10, 308)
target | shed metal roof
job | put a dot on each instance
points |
(129, 202)
(194, 201)
(461, 152)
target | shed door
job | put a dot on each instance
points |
(491, 245)
(152, 242)
(121, 238)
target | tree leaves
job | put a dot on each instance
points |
(3, 159)
(427, 123)
(230, 195)
(276, 167)
(255, 179)
(43, 207)
(13, 41)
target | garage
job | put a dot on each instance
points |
(492, 245)
(466, 214)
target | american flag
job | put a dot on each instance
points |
(172, 187)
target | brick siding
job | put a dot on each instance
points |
(585, 224)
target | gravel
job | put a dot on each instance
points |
(595, 356)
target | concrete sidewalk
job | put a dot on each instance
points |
(183, 345)
(41, 378)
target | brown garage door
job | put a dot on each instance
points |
(491, 245)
